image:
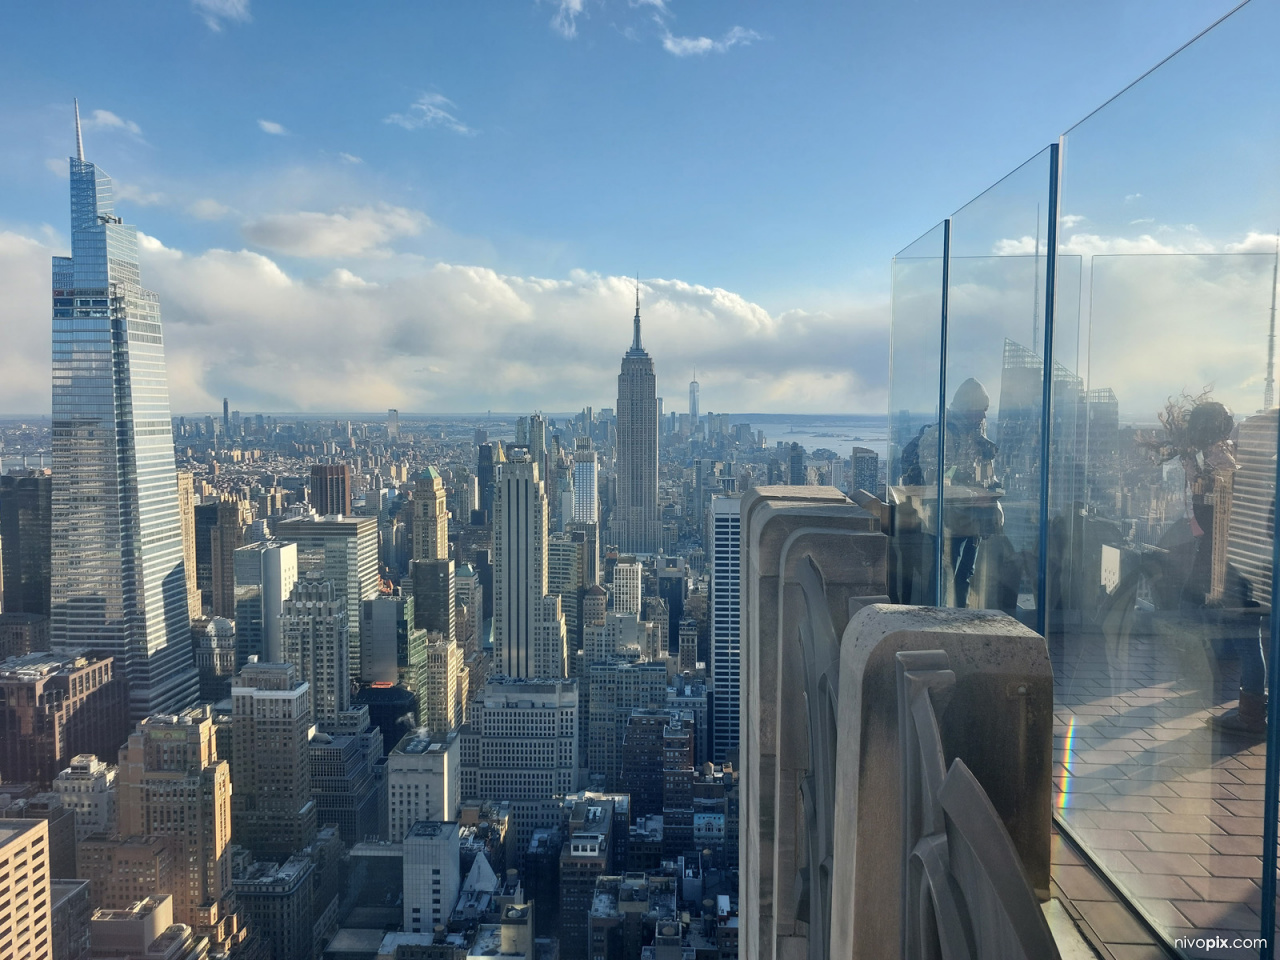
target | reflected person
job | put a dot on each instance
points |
(972, 510)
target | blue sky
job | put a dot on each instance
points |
(434, 205)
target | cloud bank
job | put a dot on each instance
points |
(450, 337)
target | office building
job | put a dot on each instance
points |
(586, 493)
(393, 424)
(331, 489)
(272, 812)
(797, 473)
(26, 518)
(689, 695)
(215, 644)
(225, 538)
(864, 471)
(187, 514)
(440, 684)
(69, 913)
(617, 688)
(637, 525)
(88, 787)
(726, 615)
(277, 903)
(694, 398)
(25, 914)
(422, 781)
(586, 855)
(314, 631)
(520, 575)
(567, 579)
(117, 577)
(53, 707)
(431, 875)
(343, 778)
(393, 649)
(488, 458)
(520, 741)
(429, 517)
(145, 929)
(468, 607)
(688, 646)
(435, 598)
(627, 582)
(23, 633)
(343, 550)
(123, 870)
(265, 572)
(173, 786)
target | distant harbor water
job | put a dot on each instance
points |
(814, 431)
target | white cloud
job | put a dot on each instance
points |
(565, 20)
(1070, 220)
(692, 46)
(273, 128)
(214, 12)
(430, 110)
(355, 232)
(106, 120)
(344, 279)
(152, 247)
(349, 158)
(59, 167)
(135, 194)
(451, 337)
(1130, 197)
(207, 208)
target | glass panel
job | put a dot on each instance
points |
(914, 365)
(1162, 492)
(994, 388)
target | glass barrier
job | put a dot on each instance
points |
(914, 383)
(991, 460)
(1162, 483)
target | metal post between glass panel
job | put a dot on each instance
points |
(1046, 402)
(939, 585)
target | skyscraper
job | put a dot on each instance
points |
(272, 813)
(520, 569)
(187, 514)
(726, 608)
(430, 524)
(637, 524)
(117, 581)
(25, 514)
(586, 497)
(314, 630)
(331, 489)
(173, 786)
(694, 412)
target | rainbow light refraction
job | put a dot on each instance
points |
(1064, 781)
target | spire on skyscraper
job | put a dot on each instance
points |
(635, 341)
(79, 141)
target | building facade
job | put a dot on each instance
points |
(726, 623)
(54, 707)
(636, 522)
(272, 811)
(118, 584)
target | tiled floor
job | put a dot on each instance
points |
(1110, 929)
(1169, 808)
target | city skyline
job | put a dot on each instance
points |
(258, 211)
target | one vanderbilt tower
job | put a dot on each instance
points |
(637, 524)
(118, 584)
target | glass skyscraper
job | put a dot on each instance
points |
(118, 576)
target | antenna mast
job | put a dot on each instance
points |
(79, 142)
(1269, 390)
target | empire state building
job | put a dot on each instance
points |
(636, 523)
